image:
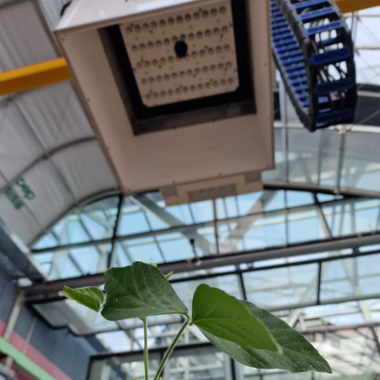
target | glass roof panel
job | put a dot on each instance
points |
(303, 164)
(198, 365)
(290, 290)
(275, 218)
(353, 217)
(182, 212)
(64, 266)
(361, 167)
(94, 221)
(251, 232)
(143, 249)
(75, 262)
(277, 202)
(247, 201)
(350, 276)
(367, 216)
(304, 226)
(329, 157)
(115, 341)
(327, 197)
(298, 198)
(368, 248)
(175, 247)
(133, 223)
(45, 260)
(48, 240)
(70, 231)
(202, 272)
(202, 211)
(154, 222)
(282, 286)
(231, 206)
(325, 315)
(121, 256)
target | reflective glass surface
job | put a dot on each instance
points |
(142, 228)
(283, 286)
(346, 292)
(352, 276)
(75, 261)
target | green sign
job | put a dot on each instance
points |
(13, 196)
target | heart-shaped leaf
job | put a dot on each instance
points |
(298, 355)
(224, 316)
(138, 291)
(91, 297)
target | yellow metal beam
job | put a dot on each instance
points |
(45, 73)
(349, 6)
(34, 76)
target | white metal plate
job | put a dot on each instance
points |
(210, 66)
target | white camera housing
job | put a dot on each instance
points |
(195, 126)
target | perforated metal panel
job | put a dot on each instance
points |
(183, 55)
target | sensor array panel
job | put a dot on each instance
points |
(208, 68)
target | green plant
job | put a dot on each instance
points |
(250, 335)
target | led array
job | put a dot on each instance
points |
(190, 37)
(208, 68)
(184, 89)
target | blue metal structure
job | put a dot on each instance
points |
(314, 53)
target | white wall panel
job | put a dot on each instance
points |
(23, 39)
(56, 114)
(17, 147)
(85, 169)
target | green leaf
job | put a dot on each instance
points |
(298, 355)
(226, 317)
(167, 276)
(91, 297)
(138, 291)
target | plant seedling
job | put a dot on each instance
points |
(252, 336)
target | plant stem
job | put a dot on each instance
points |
(146, 348)
(170, 349)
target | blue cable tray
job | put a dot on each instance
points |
(313, 51)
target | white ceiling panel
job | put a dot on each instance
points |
(85, 169)
(19, 219)
(18, 149)
(56, 114)
(52, 10)
(23, 38)
(50, 195)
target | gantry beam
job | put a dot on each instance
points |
(349, 6)
(34, 76)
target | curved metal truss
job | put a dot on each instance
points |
(314, 53)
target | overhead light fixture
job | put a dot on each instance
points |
(195, 72)
(183, 55)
